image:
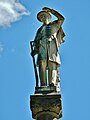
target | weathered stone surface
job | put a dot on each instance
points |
(46, 106)
(45, 89)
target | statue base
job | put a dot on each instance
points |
(45, 89)
(46, 107)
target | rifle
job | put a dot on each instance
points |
(35, 69)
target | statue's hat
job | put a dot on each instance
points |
(41, 13)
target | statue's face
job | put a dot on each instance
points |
(44, 19)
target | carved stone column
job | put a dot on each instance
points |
(46, 107)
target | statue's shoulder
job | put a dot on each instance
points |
(54, 22)
(39, 29)
(55, 25)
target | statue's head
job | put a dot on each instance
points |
(44, 17)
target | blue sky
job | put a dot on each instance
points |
(17, 79)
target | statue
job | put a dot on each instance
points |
(46, 46)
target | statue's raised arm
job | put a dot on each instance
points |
(56, 13)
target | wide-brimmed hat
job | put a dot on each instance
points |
(48, 15)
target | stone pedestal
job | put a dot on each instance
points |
(46, 107)
(45, 89)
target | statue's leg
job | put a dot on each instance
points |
(58, 81)
(52, 73)
(42, 73)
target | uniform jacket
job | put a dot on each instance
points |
(47, 42)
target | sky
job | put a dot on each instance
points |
(18, 26)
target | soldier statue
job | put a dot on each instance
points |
(46, 46)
